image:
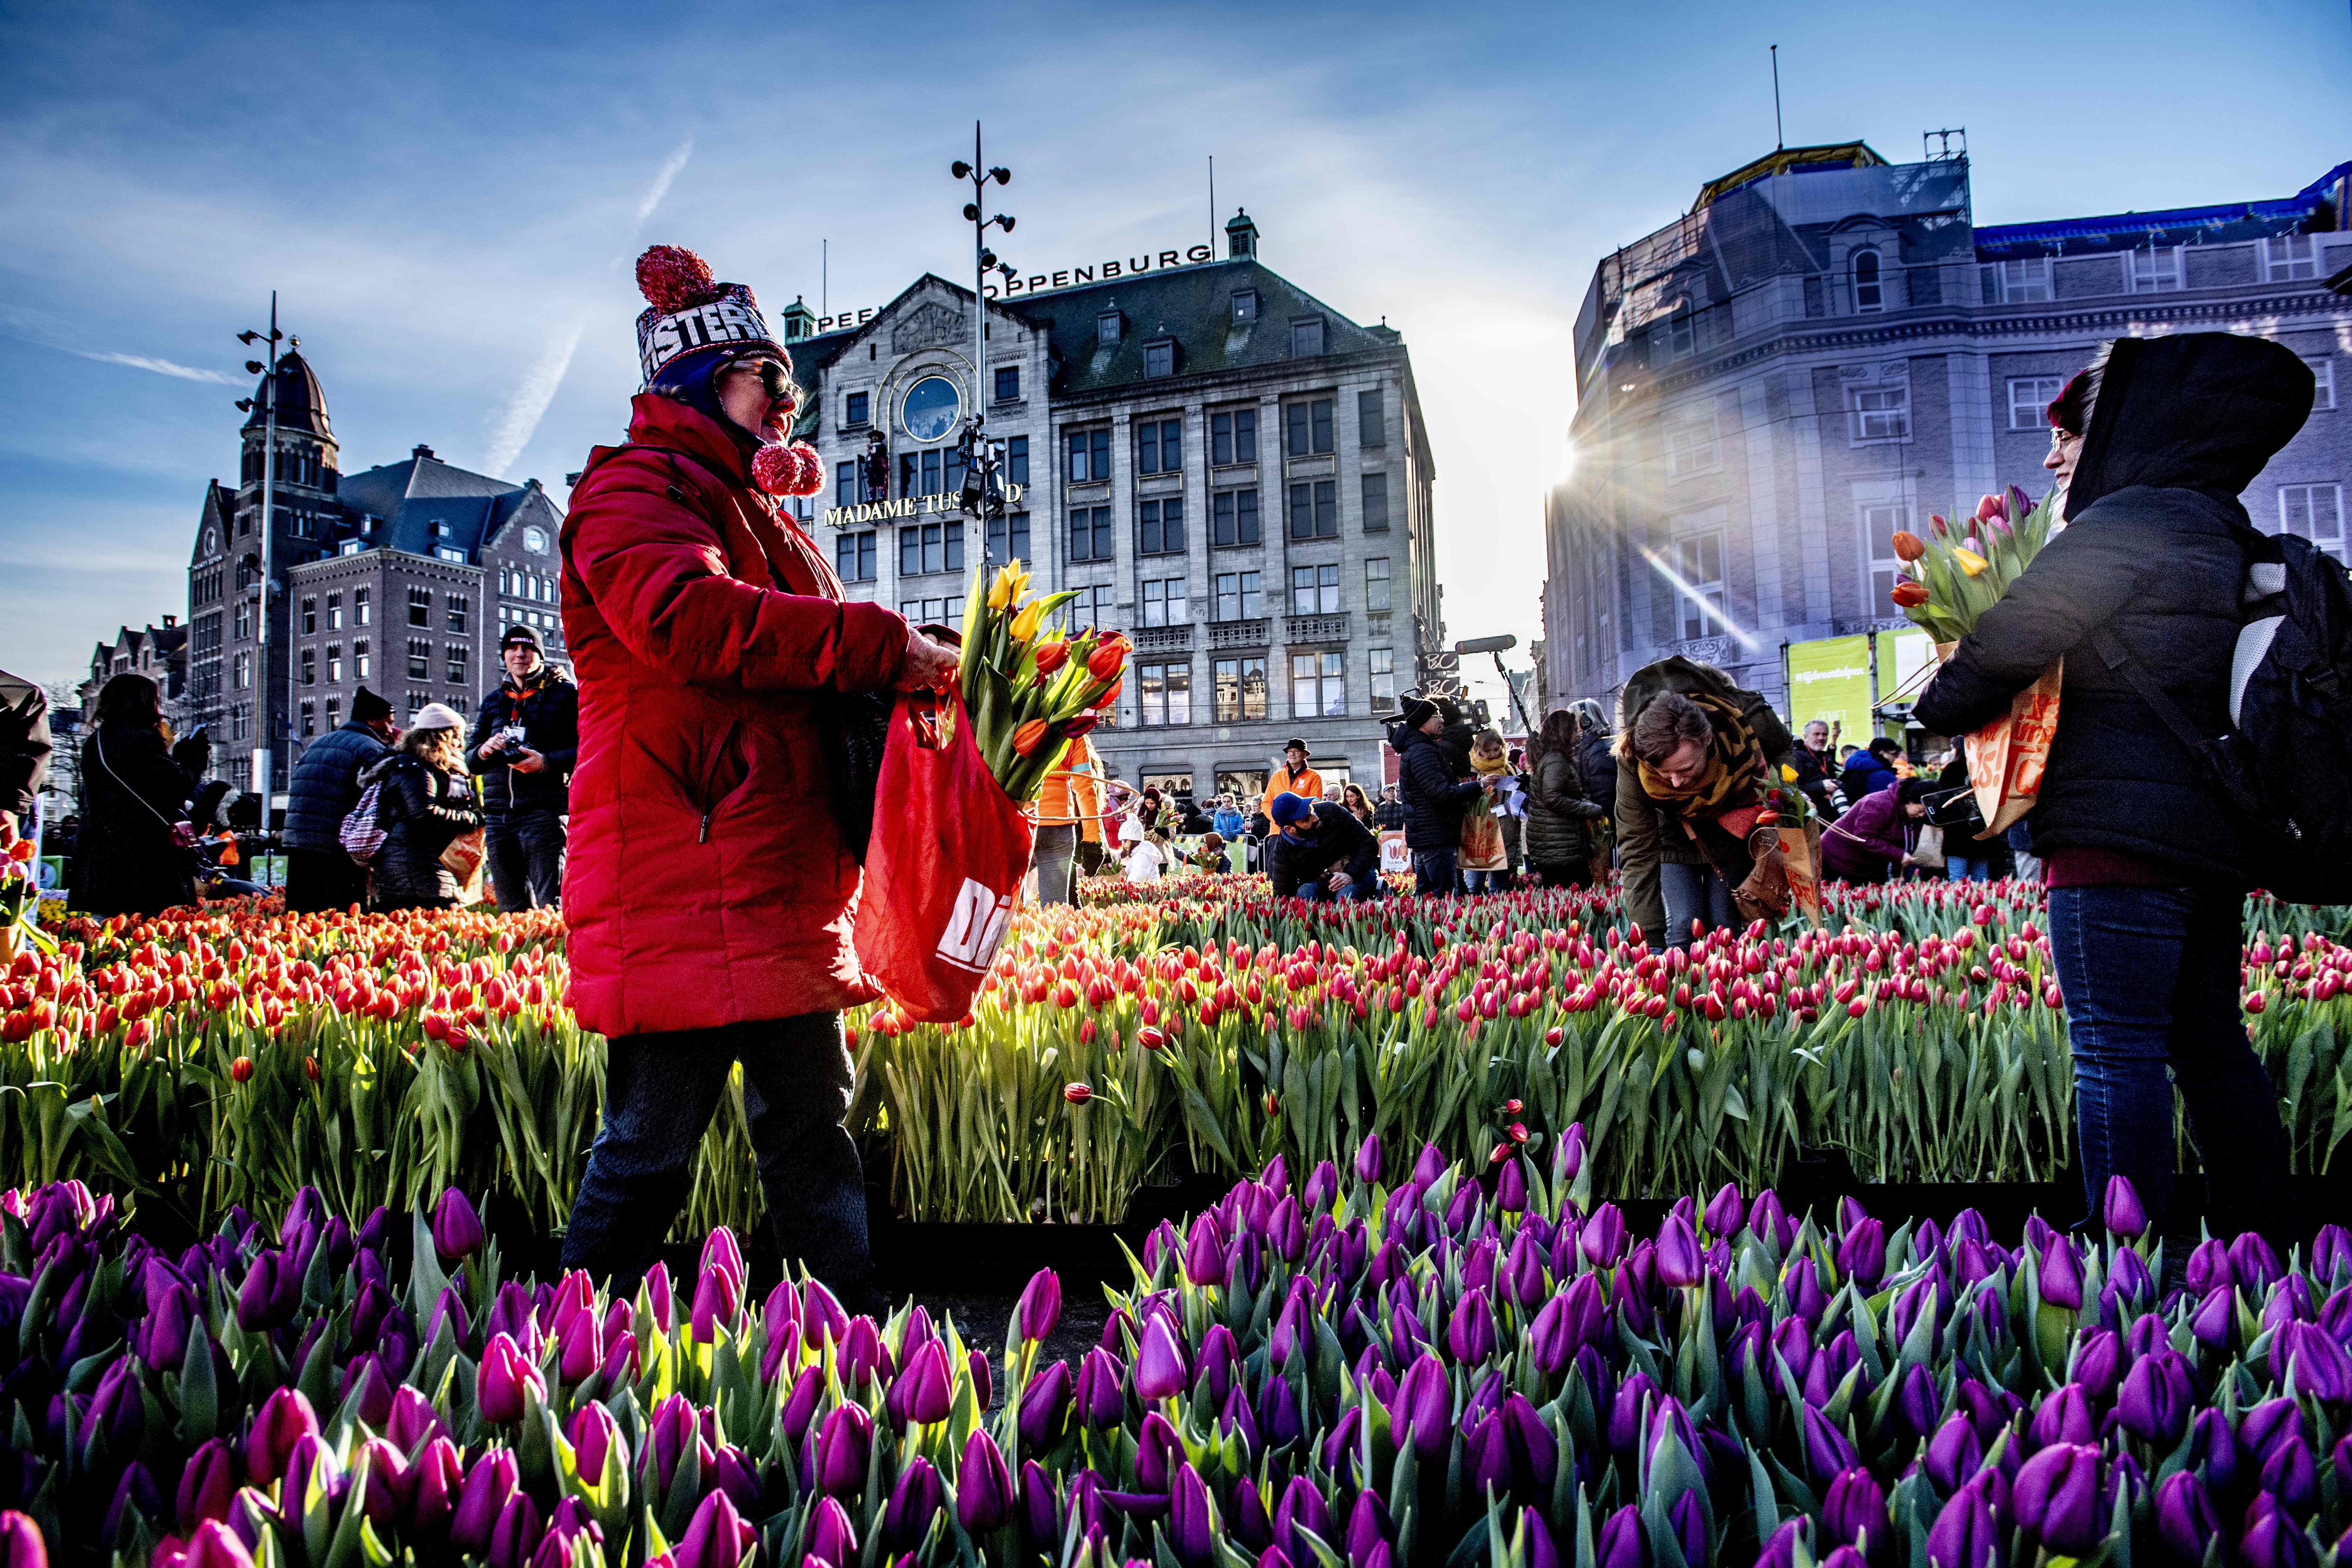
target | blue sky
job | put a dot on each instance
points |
(445, 197)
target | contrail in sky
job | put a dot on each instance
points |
(159, 366)
(519, 421)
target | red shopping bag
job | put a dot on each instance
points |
(944, 867)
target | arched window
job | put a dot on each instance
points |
(1867, 293)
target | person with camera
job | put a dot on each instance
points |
(525, 739)
(131, 858)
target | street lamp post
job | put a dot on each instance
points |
(982, 497)
(265, 748)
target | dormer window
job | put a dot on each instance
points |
(1306, 337)
(1869, 293)
(440, 528)
(1160, 358)
(1107, 329)
(1244, 304)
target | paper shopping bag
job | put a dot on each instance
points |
(2007, 757)
(1800, 851)
(943, 867)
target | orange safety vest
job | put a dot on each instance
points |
(1072, 792)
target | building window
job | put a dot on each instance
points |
(2323, 376)
(1881, 520)
(310, 667)
(859, 408)
(243, 723)
(334, 664)
(2030, 399)
(2287, 256)
(1310, 428)
(930, 547)
(1244, 304)
(1238, 690)
(243, 676)
(1159, 360)
(359, 659)
(2155, 268)
(853, 556)
(420, 606)
(1376, 504)
(1879, 413)
(2025, 283)
(1235, 518)
(920, 611)
(360, 607)
(1090, 533)
(1315, 590)
(444, 552)
(244, 620)
(1016, 460)
(1233, 438)
(1164, 602)
(1869, 294)
(1159, 527)
(334, 714)
(1676, 337)
(335, 611)
(1164, 693)
(1306, 338)
(1090, 456)
(1381, 662)
(1318, 685)
(1376, 583)
(2315, 512)
(924, 473)
(845, 484)
(420, 659)
(1107, 329)
(1094, 606)
(416, 701)
(1158, 446)
(1372, 422)
(1008, 383)
(310, 614)
(1241, 596)
(453, 656)
(1699, 559)
(1690, 441)
(1315, 509)
(1008, 539)
(456, 607)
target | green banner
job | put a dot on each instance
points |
(1829, 681)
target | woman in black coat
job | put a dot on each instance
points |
(2146, 871)
(131, 858)
(1561, 817)
(426, 803)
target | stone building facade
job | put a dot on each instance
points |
(1217, 462)
(1827, 348)
(399, 578)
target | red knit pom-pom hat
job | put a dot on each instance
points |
(686, 308)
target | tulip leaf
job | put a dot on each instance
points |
(199, 1393)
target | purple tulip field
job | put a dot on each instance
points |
(1397, 1364)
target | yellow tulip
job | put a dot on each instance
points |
(1788, 773)
(1000, 590)
(1024, 624)
(1970, 561)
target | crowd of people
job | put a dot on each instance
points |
(714, 644)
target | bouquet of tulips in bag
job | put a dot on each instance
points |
(1031, 687)
(1955, 576)
(1960, 570)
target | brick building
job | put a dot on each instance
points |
(399, 578)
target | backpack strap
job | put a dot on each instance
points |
(2116, 657)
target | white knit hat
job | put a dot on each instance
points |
(436, 716)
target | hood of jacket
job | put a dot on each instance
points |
(2202, 411)
(658, 421)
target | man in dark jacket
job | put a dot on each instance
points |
(25, 747)
(1388, 811)
(320, 874)
(2144, 866)
(1436, 793)
(525, 740)
(1817, 773)
(1321, 851)
(1868, 771)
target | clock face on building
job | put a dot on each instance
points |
(930, 409)
(535, 540)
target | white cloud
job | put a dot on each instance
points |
(519, 421)
(660, 187)
(159, 366)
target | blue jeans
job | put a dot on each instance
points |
(659, 1092)
(1968, 868)
(1482, 882)
(525, 849)
(1693, 893)
(2150, 979)
(1366, 886)
(1432, 870)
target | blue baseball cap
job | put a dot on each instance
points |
(1290, 808)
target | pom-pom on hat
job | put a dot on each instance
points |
(686, 308)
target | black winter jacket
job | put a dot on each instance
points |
(125, 861)
(1596, 768)
(1560, 815)
(1434, 791)
(326, 785)
(548, 712)
(1340, 840)
(2154, 556)
(24, 744)
(421, 810)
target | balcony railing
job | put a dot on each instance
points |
(1163, 639)
(1316, 628)
(1255, 632)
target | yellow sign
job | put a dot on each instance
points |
(1828, 680)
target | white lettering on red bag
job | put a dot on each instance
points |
(976, 927)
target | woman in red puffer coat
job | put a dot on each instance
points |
(710, 890)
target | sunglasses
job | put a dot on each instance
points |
(773, 377)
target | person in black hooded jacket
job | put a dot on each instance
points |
(1436, 790)
(2144, 864)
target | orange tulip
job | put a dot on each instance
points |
(1909, 593)
(1052, 656)
(1105, 662)
(1111, 693)
(1909, 546)
(1029, 736)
